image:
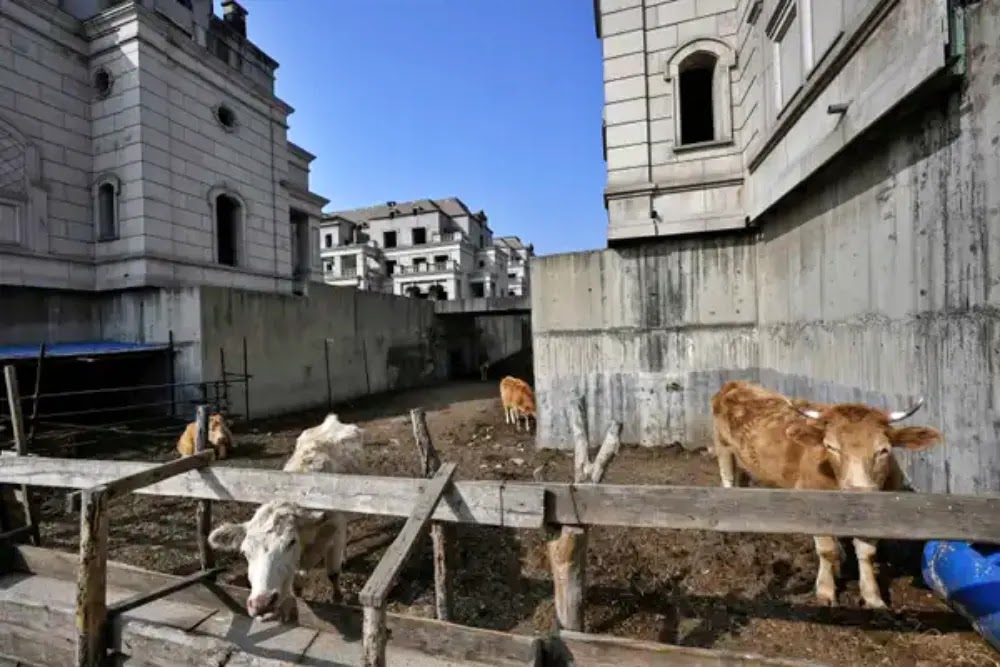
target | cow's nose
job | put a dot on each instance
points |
(261, 604)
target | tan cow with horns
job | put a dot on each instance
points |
(803, 445)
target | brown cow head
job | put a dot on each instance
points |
(859, 441)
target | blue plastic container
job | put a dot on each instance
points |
(967, 577)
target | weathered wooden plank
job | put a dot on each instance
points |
(483, 502)
(376, 589)
(429, 636)
(440, 538)
(140, 599)
(203, 516)
(374, 637)
(130, 483)
(91, 586)
(21, 447)
(570, 647)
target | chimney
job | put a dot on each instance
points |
(235, 16)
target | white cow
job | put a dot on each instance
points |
(282, 539)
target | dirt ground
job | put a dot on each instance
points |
(710, 590)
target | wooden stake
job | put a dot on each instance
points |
(430, 462)
(204, 514)
(373, 637)
(568, 551)
(91, 583)
(21, 445)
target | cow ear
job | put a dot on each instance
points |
(228, 536)
(914, 438)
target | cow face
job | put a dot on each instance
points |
(272, 545)
(859, 439)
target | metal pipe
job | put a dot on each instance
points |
(36, 397)
(246, 381)
(172, 375)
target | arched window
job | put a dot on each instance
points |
(699, 74)
(105, 201)
(229, 213)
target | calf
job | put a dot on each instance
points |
(803, 445)
(518, 401)
(220, 438)
(282, 539)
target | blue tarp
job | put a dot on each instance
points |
(82, 349)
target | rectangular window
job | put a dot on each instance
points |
(389, 239)
(827, 22)
(390, 267)
(788, 54)
(328, 241)
(419, 236)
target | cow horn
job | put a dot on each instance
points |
(811, 414)
(900, 415)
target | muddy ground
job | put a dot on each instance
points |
(710, 590)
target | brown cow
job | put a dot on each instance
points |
(518, 401)
(220, 438)
(804, 445)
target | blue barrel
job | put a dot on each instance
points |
(967, 577)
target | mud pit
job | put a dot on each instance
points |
(699, 589)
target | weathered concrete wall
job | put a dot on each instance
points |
(501, 339)
(379, 342)
(29, 315)
(878, 281)
(647, 334)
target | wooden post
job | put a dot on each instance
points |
(376, 590)
(21, 446)
(37, 397)
(430, 462)
(568, 550)
(91, 583)
(204, 513)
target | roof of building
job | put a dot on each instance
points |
(450, 206)
(79, 349)
(514, 243)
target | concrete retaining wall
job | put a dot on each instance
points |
(878, 281)
(379, 342)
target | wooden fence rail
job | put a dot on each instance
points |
(910, 516)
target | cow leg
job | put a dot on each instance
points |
(727, 463)
(828, 550)
(870, 593)
(335, 556)
(506, 414)
(517, 418)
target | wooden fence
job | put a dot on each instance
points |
(566, 511)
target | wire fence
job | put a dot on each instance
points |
(144, 412)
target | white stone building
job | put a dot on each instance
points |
(518, 266)
(142, 145)
(425, 248)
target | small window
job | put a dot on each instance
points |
(328, 267)
(328, 241)
(103, 82)
(227, 230)
(697, 74)
(107, 224)
(511, 276)
(419, 236)
(482, 264)
(390, 267)
(226, 117)
(389, 239)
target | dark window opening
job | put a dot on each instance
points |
(225, 116)
(389, 239)
(419, 263)
(419, 235)
(300, 244)
(390, 267)
(103, 82)
(227, 215)
(697, 105)
(477, 290)
(511, 276)
(328, 240)
(106, 212)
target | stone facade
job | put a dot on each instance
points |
(426, 248)
(716, 109)
(144, 147)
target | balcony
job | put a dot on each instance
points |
(436, 267)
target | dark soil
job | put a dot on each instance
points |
(712, 590)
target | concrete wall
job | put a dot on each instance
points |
(379, 343)
(645, 334)
(878, 281)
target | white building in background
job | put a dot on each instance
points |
(518, 273)
(142, 145)
(425, 248)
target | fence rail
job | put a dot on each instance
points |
(914, 516)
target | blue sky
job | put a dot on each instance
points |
(497, 102)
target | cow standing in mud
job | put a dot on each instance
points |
(283, 539)
(801, 445)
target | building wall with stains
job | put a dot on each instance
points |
(877, 278)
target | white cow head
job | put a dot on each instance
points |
(271, 541)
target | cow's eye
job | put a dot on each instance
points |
(291, 543)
